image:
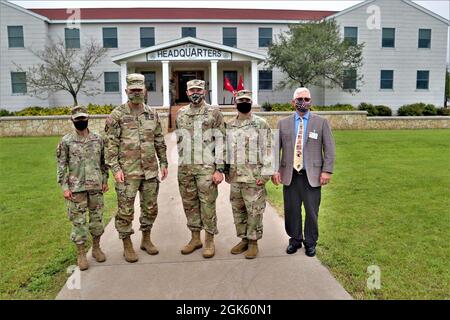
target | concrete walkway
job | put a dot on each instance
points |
(171, 275)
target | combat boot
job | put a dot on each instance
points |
(252, 250)
(128, 250)
(146, 243)
(194, 244)
(240, 247)
(209, 250)
(97, 253)
(81, 257)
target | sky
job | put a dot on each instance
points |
(440, 7)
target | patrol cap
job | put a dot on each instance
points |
(79, 111)
(135, 81)
(244, 94)
(200, 84)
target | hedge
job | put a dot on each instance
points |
(41, 111)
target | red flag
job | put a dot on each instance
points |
(240, 84)
(228, 86)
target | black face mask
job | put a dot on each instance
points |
(196, 98)
(81, 125)
(244, 107)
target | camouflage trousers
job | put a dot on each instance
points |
(199, 194)
(126, 194)
(248, 202)
(77, 210)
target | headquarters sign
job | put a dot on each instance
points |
(188, 52)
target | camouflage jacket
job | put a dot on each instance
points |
(248, 151)
(200, 137)
(135, 143)
(81, 163)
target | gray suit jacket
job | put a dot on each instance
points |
(319, 154)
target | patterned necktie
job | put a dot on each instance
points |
(298, 151)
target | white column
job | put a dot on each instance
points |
(166, 84)
(255, 81)
(123, 81)
(214, 83)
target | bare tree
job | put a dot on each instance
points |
(64, 69)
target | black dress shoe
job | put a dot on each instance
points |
(293, 248)
(310, 251)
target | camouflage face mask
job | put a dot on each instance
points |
(196, 98)
(136, 97)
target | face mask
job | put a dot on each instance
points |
(81, 125)
(302, 106)
(196, 98)
(136, 97)
(244, 107)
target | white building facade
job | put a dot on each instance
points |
(405, 53)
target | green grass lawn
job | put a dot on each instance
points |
(35, 249)
(387, 205)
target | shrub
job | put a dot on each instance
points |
(443, 111)
(417, 109)
(383, 111)
(266, 106)
(5, 113)
(334, 107)
(53, 111)
(282, 107)
(370, 108)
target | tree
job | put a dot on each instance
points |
(64, 69)
(313, 53)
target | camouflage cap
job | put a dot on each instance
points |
(200, 84)
(244, 94)
(135, 81)
(79, 111)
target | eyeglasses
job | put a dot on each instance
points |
(301, 99)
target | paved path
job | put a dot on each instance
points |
(170, 275)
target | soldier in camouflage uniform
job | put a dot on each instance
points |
(135, 143)
(248, 158)
(83, 177)
(200, 136)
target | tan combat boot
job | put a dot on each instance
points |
(81, 257)
(194, 244)
(128, 250)
(252, 250)
(97, 253)
(208, 251)
(240, 247)
(147, 245)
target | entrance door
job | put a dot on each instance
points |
(183, 78)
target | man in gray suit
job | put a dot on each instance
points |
(307, 158)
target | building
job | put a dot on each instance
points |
(405, 54)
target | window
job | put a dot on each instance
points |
(387, 79)
(188, 32)
(150, 80)
(425, 38)
(111, 82)
(349, 79)
(19, 82)
(72, 37)
(265, 80)
(229, 37)
(388, 38)
(423, 79)
(265, 37)
(110, 38)
(351, 35)
(147, 37)
(15, 36)
(232, 76)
